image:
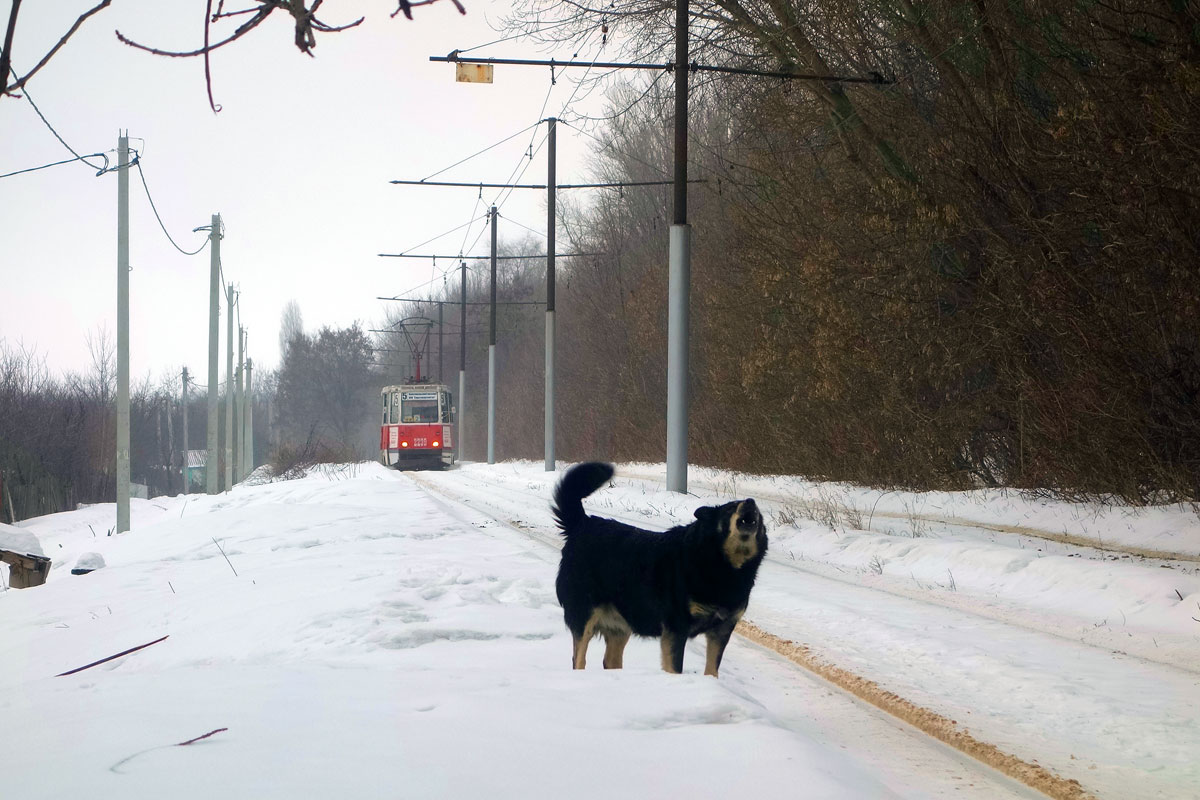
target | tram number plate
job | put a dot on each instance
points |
(420, 441)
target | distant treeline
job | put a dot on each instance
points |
(58, 435)
(986, 273)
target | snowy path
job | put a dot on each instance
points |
(377, 641)
(1120, 725)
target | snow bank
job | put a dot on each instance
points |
(345, 636)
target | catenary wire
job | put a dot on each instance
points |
(42, 117)
(481, 152)
(137, 161)
(47, 166)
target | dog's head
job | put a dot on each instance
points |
(740, 527)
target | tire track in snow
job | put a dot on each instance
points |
(928, 722)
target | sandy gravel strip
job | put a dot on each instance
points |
(928, 722)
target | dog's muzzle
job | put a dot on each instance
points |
(748, 520)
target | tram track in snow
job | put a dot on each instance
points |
(928, 722)
(535, 521)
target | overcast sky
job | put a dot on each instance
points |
(297, 163)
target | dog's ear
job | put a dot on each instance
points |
(706, 513)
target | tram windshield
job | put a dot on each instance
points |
(419, 407)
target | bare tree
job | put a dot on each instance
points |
(291, 325)
(101, 383)
(303, 13)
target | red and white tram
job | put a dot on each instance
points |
(418, 426)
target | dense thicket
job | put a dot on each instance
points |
(326, 396)
(985, 273)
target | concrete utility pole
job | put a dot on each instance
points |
(679, 274)
(491, 447)
(211, 482)
(239, 410)
(248, 422)
(551, 191)
(185, 433)
(122, 333)
(462, 365)
(229, 390)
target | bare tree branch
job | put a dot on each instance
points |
(244, 29)
(6, 56)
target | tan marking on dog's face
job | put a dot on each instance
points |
(739, 550)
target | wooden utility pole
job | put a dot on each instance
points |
(12, 515)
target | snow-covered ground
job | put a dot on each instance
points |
(367, 633)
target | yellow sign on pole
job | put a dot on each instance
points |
(473, 73)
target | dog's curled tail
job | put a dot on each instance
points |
(578, 482)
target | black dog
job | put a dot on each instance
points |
(616, 580)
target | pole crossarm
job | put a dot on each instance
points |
(542, 185)
(669, 66)
(479, 258)
(455, 302)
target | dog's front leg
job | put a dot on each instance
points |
(672, 643)
(717, 639)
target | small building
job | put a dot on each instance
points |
(197, 461)
(21, 550)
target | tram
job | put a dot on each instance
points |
(418, 426)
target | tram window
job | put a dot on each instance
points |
(385, 409)
(446, 407)
(419, 410)
(394, 416)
